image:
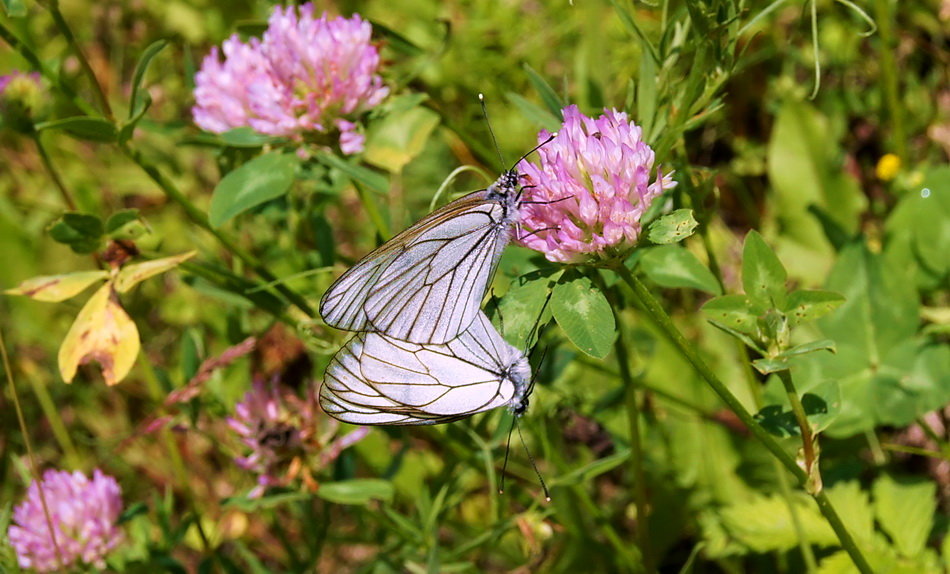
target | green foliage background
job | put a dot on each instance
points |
(726, 94)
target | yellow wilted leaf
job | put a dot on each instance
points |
(132, 275)
(102, 332)
(57, 287)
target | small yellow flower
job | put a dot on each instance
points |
(887, 167)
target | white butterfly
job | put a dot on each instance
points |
(376, 379)
(426, 284)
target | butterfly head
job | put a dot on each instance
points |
(505, 188)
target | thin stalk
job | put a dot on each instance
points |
(804, 427)
(366, 198)
(929, 431)
(198, 217)
(56, 424)
(30, 56)
(808, 555)
(34, 467)
(659, 316)
(53, 7)
(889, 76)
(632, 404)
(53, 173)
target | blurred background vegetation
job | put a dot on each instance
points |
(847, 180)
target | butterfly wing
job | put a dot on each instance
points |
(377, 380)
(426, 284)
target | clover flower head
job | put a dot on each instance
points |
(22, 101)
(286, 435)
(305, 76)
(587, 196)
(84, 513)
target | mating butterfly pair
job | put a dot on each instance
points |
(425, 353)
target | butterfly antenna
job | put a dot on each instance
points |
(481, 100)
(504, 466)
(544, 487)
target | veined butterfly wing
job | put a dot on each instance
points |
(378, 380)
(426, 284)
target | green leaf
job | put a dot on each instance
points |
(245, 137)
(673, 227)
(766, 366)
(398, 138)
(736, 312)
(821, 408)
(263, 178)
(590, 471)
(535, 113)
(763, 276)
(805, 306)
(357, 491)
(805, 167)
(550, 98)
(646, 93)
(82, 232)
(83, 127)
(675, 266)
(764, 524)
(524, 307)
(923, 215)
(905, 510)
(14, 8)
(360, 174)
(880, 364)
(813, 346)
(584, 314)
(140, 100)
(120, 219)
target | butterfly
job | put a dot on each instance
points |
(377, 379)
(426, 285)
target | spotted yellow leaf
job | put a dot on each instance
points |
(57, 287)
(102, 332)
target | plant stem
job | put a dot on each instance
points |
(631, 397)
(53, 7)
(656, 312)
(885, 20)
(34, 467)
(197, 216)
(808, 437)
(53, 174)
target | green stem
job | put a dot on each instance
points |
(48, 406)
(197, 216)
(34, 467)
(808, 555)
(808, 437)
(632, 403)
(631, 398)
(64, 28)
(30, 56)
(53, 174)
(656, 312)
(889, 76)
